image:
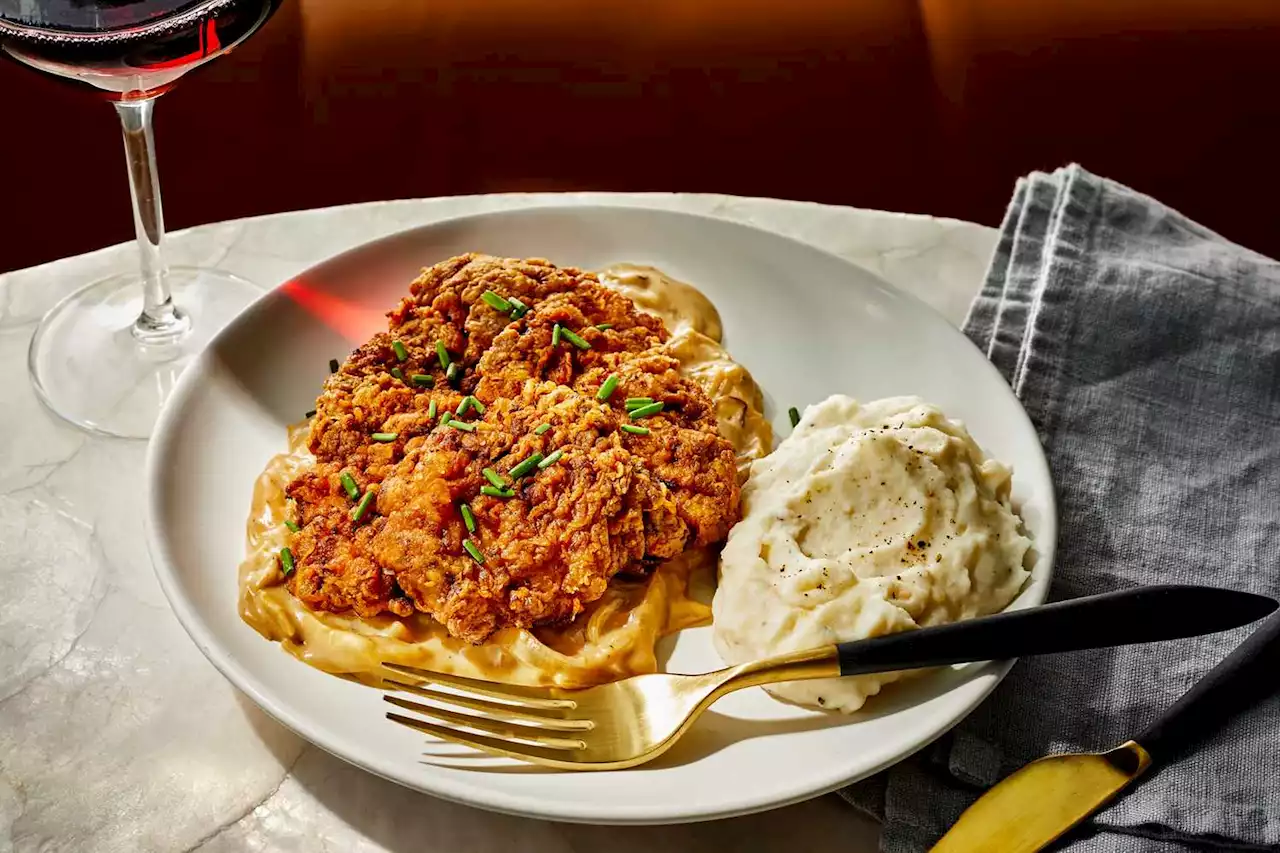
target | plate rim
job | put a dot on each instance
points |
(985, 678)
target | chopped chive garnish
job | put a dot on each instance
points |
(526, 466)
(495, 301)
(635, 430)
(400, 351)
(518, 308)
(645, 411)
(286, 561)
(494, 477)
(468, 519)
(445, 418)
(462, 425)
(464, 406)
(454, 371)
(397, 373)
(423, 379)
(573, 338)
(349, 483)
(606, 390)
(473, 550)
(541, 429)
(292, 525)
(362, 507)
(385, 437)
(333, 365)
(637, 402)
(310, 414)
(794, 414)
(495, 492)
(556, 331)
(443, 355)
(604, 326)
(431, 411)
(552, 458)
(478, 406)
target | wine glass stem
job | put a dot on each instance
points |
(161, 322)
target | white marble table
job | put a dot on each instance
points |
(117, 735)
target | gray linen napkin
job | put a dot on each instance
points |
(1147, 351)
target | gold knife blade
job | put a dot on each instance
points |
(1040, 802)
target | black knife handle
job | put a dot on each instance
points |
(1248, 674)
(1139, 615)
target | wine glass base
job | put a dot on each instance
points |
(88, 367)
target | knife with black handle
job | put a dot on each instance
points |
(1248, 674)
(1044, 800)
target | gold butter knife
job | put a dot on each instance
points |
(1041, 802)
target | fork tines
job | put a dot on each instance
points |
(528, 723)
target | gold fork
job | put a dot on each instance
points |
(635, 720)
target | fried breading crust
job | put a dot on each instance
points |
(525, 351)
(683, 448)
(447, 297)
(551, 547)
(335, 569)
(444, 306)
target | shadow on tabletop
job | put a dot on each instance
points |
(283, 744)
(400, 820)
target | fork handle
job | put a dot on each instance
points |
(1139, 615)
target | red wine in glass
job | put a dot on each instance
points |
(106, 357)
(124, 47)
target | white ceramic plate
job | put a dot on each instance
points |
(806, 324)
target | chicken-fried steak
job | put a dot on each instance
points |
(615, 492)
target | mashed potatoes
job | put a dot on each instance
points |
(868, 519)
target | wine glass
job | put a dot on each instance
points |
(106, 357)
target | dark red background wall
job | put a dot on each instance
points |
(933, 106)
